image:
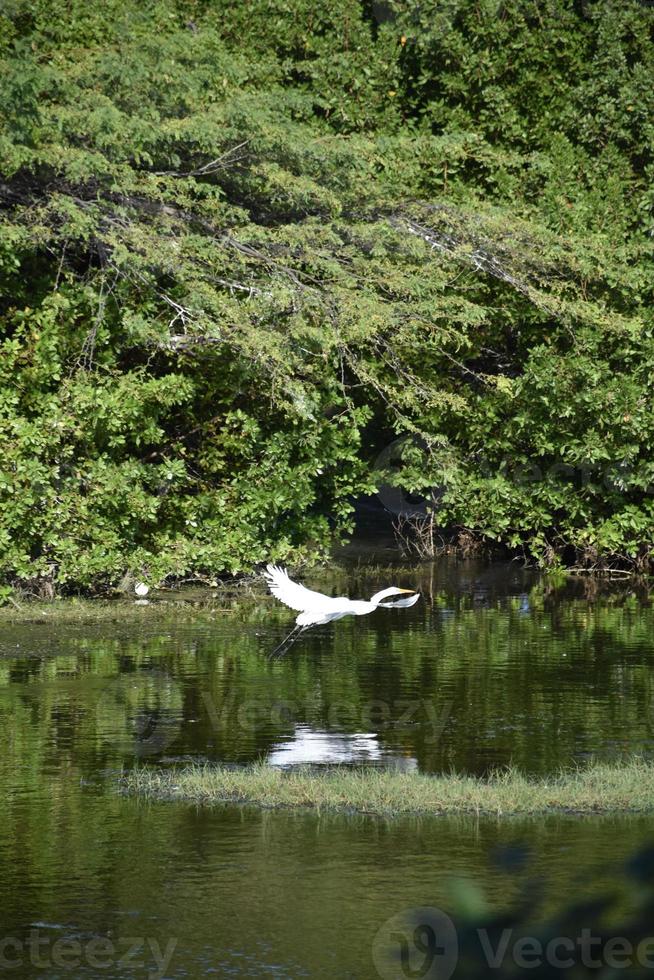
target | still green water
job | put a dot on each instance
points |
(492, 666)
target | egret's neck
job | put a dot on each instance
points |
(378, 596)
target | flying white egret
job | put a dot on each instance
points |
(316, 608)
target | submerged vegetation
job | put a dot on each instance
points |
(244, 250)
(597, 788)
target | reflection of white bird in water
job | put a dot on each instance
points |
(306, 746)
(316, 608)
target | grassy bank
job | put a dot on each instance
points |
(183, 602)
(598, 788)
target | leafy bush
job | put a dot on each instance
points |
(241, 252)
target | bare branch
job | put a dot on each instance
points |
(208, 168)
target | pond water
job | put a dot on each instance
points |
(493, 666)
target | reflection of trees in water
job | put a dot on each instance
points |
(528, 679)
(534, 681)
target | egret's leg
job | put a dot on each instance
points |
(287, 643)
(285, 640)
(296, 636)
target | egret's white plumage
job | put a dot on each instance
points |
(315, 608)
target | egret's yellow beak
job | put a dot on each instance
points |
(406, 590)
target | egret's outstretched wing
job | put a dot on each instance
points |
(290, 593)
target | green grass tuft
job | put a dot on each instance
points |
(597, 788)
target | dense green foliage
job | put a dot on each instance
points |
(243, 250)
